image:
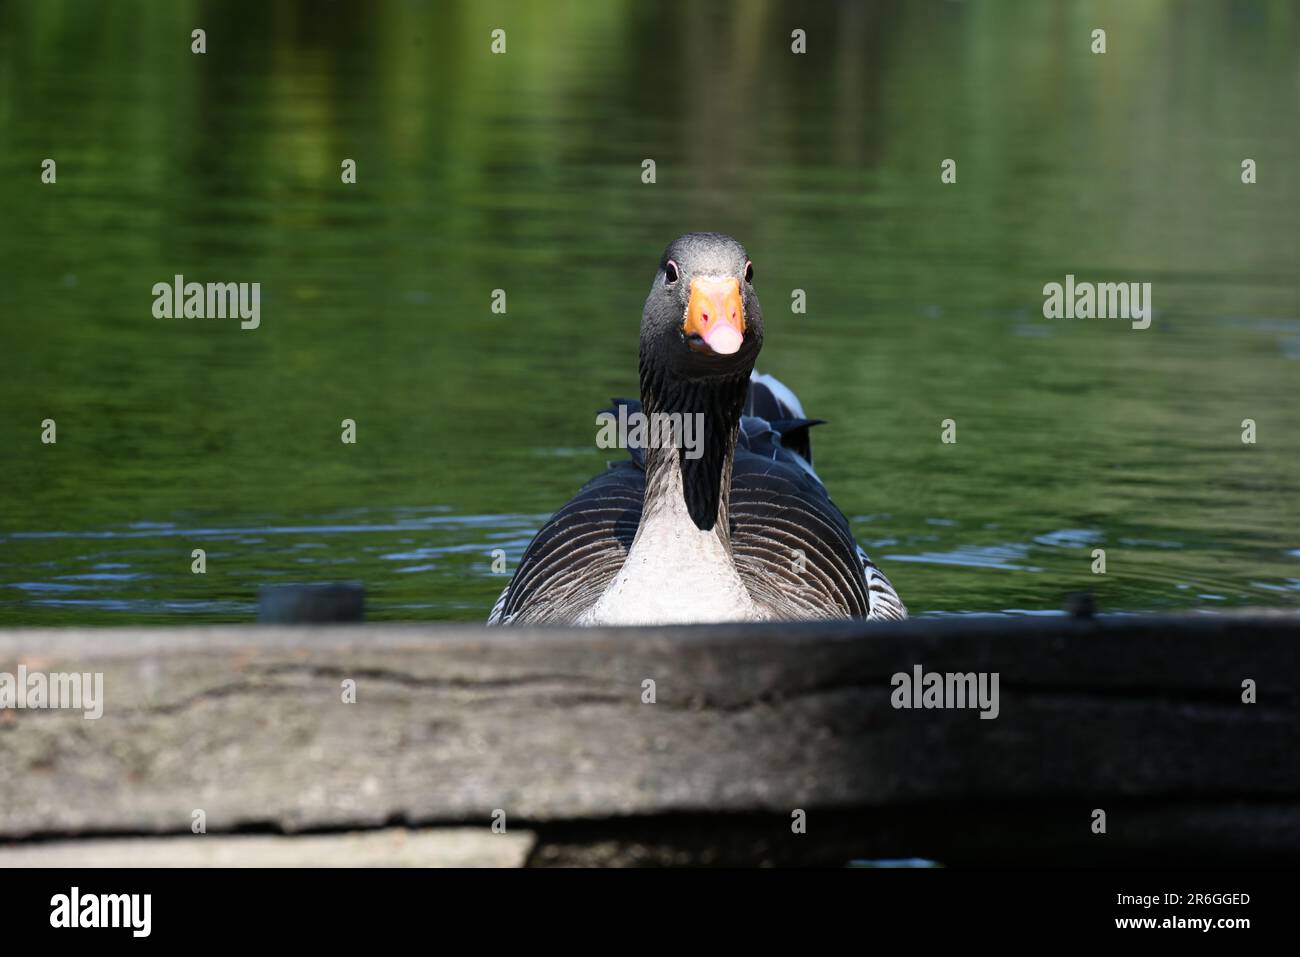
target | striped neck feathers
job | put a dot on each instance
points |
(705, 468)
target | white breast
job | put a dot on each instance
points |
(674, 574)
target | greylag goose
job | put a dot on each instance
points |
(731, 524)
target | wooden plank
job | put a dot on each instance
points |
(389, 847)
(453, 723)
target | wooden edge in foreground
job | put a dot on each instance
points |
(671, 745)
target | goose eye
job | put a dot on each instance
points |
(670, 272)
(749, 271)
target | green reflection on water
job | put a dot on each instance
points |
(522, 172)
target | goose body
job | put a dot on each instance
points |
(742, 531)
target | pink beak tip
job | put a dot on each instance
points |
(723, 339)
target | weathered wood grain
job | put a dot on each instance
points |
(453, 723)
(389, 847)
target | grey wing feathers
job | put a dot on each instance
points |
(885, 603)
(577, 553)
(792, 546)
(782, 521)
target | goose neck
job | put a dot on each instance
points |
(695, 477)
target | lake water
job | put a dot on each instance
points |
(523, 171)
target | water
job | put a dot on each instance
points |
(522, 172)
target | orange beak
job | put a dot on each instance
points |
(716, 315)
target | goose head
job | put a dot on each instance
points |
(702, 320)
(701, 333)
